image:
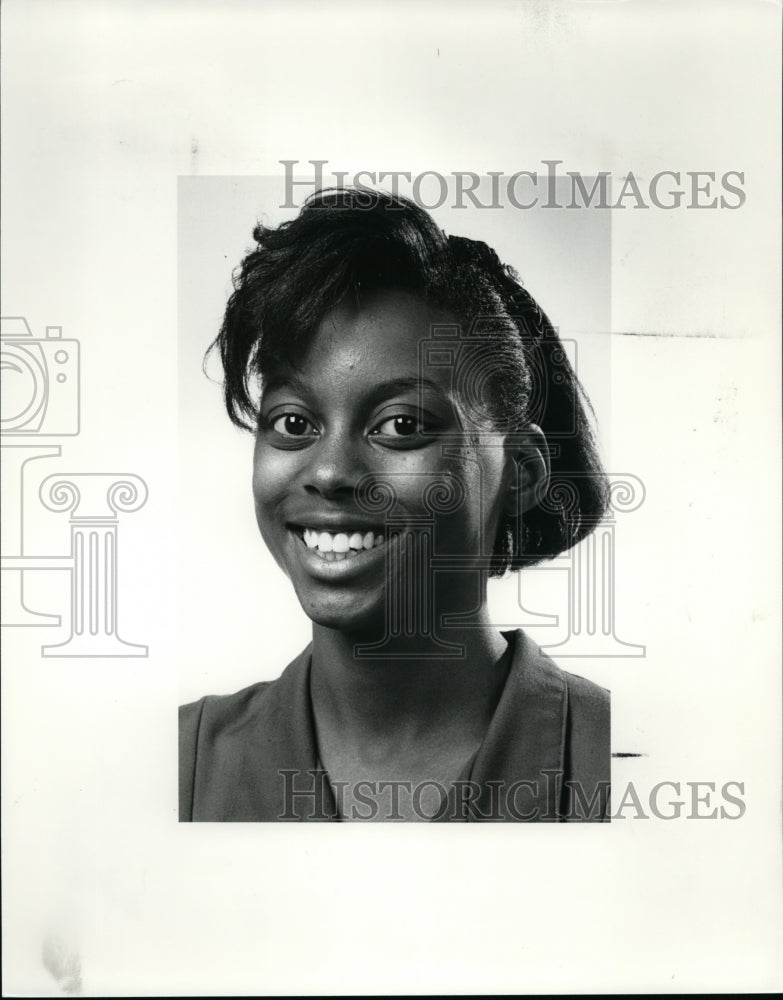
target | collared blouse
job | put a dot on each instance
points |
(252, 756)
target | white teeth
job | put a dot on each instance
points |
(341, 545)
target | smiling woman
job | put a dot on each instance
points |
(418, 429)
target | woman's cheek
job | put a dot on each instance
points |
(271, 470)
(271, 477)
(410, 472)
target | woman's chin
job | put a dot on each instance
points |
(346, 616)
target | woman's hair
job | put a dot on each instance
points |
(511, 366)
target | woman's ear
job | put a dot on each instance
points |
(530, 470)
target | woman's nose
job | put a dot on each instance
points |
(335, 465)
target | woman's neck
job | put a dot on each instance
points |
(401, 697)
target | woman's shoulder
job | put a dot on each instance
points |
(222, 707)
(585, 696)
(222, 735)
(533, 660)
(588, 704)
(588, 725)
(579, 708)
(209, 727)
(217, 711)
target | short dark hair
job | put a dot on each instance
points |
(357, 242)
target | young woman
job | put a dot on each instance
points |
(418, 429)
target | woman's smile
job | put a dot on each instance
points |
(336, 555)
(340, 545)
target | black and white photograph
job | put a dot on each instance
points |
(391, 437)
(420, 430)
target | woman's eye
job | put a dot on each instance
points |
(292, 425)
(401, 426)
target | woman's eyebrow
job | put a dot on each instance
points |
(284, 382)
(404, 384)
(374, 393)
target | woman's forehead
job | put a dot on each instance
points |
(382, 335)
(398, 318)
(368, 353)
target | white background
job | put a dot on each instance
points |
(105, 106)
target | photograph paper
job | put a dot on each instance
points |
(623, 157)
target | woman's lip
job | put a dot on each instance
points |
(345, 527)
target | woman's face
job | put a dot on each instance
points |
(356, 409)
